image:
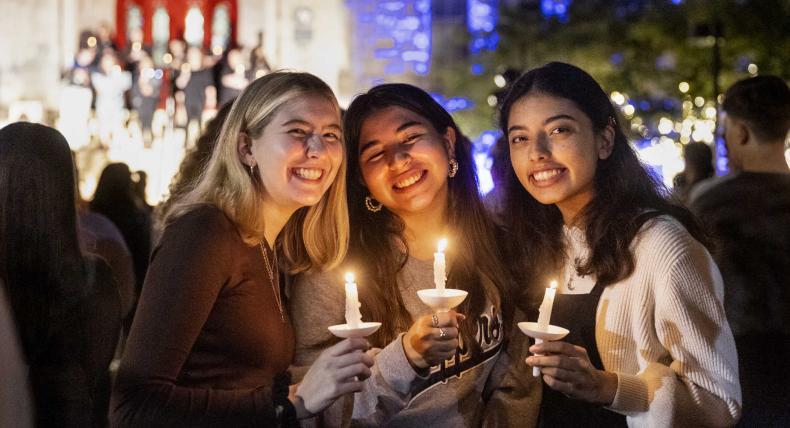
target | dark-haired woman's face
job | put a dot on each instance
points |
(404, 161)
(555, 151)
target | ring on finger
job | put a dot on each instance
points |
(442, 333)
(435, 319)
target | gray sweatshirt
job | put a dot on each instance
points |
(489, 388)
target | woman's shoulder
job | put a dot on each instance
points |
(664, 240)
(203, 219)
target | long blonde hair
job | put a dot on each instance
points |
(315, 237)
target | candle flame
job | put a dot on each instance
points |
(349, 277)
(553, 285)
(442, 244)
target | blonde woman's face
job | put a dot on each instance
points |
(299, 152)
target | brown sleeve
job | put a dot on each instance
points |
(188, 270)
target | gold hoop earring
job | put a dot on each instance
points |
(372, 205)
(453, 168)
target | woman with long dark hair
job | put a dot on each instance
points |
(115, 199)
(412, 181)
(649, 344)
(66, 306)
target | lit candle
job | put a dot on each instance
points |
(544, 316)
(439, 265)
(353, 316)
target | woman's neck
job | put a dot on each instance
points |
(274, 219)
(423, 232)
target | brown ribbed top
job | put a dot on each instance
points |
(207, 338)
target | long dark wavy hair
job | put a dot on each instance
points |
(41, 265)
(625, 194)
(477, 263)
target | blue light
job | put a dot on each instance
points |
(722, 162)
(481, 152)
(477, 69)
(452, 104)
(481, 18)
(404, 27)
(555, 8)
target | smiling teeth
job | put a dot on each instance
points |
(308, 173)
(545, 175)
(408, 182)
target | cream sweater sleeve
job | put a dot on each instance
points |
(690, 377)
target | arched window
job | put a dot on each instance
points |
(134, 21)
(220, 28)
(160, 34)
(303, 24)
(193, 30)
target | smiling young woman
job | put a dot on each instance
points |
(649, 344)
(211, 339)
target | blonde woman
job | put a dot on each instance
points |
(211, 339)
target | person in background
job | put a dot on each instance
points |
(699, 166)
(412, 181)
(110, 83)
(259, 65)
(99, 236)
(145, 94)
(749, 216)
(197, 83)
(115, 198)
(212, 338)
(649, 343)
(233, 76)
(65, 305)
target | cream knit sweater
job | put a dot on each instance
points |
(664, 333)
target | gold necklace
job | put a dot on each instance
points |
(275, 288)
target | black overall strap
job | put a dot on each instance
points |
(577, 313)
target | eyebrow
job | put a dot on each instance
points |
(545, 122)
(306, 123)
(401, 128)
(558, 117)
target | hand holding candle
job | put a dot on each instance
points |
(439, 265)
(353, 316)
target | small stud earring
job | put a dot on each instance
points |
(252, 170)
(372, 205)
(453, 168)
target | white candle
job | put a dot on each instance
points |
(353, 316)
(439, 265)
(544, 316)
